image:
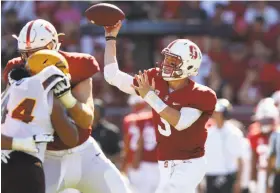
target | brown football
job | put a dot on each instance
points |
(104, 14)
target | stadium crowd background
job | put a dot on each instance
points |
(240, 41)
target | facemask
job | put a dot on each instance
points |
(266, 128)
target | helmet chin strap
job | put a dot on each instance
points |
(57, 47)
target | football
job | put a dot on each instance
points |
(104, 14)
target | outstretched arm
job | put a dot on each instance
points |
(112, 73)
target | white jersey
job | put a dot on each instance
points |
(27, 105)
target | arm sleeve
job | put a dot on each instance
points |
(187, 118)
(205, 101)
(118, 78)
(84, 67)
(92, 67)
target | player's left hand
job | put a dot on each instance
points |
(62, 87)
(143, 84)
(62, 90)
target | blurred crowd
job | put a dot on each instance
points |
(242, 68)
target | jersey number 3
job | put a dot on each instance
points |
(22, 112)
(164, 129)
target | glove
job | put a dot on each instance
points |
(62, 87)
(29, 144)
(62, 90)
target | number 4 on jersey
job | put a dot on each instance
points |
(22, 112)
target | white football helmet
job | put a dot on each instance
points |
(276, 98)
(37, 35)
(182, 59)
(266, 110)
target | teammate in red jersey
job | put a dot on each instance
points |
(181, 109)
(140, 161)
(266, 119)
(84, 166)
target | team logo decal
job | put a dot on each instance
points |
(166, 164)
(193, 52)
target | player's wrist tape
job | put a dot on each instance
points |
(68, 100)
(21, 144)
(17, 144)
(110, 38)
(155, 102)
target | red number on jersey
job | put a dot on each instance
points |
(24, 110)
(193, 52)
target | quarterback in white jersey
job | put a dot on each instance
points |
(29, 109)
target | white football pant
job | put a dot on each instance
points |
(84, 168)
(144, 179)
(181, 176)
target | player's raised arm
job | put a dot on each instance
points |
(112, 73)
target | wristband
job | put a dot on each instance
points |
(23, 144)
(17, 144)
(155, 102)
(110, 38)
(68, 100)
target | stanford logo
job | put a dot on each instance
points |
(193, 52)
(166, 164)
